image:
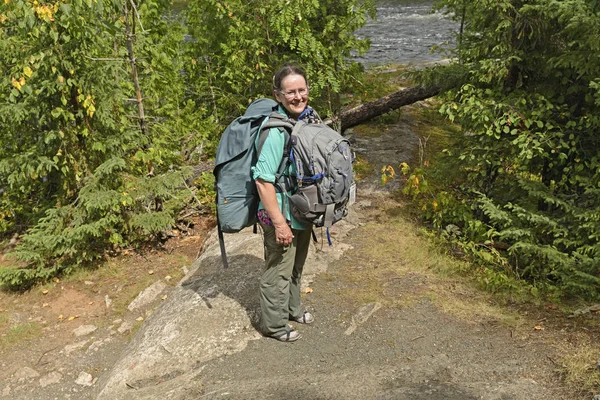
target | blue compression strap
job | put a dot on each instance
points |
(329, 237)
(310, 178)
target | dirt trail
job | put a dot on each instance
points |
(390, 323)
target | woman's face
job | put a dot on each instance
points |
(293, 94)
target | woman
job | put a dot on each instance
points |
(286, 240)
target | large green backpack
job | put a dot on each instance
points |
(237, 196)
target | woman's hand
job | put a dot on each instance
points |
(283, 234)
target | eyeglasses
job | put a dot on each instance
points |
(291, 95)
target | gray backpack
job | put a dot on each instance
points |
(324, 174)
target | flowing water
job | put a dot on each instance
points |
(405, 31)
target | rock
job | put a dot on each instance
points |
(108, 301)
(596, 397)
(84, 330)
(362, 316)
(26, 373)
(147, 296)
(50, 379)
(204, 317)
(84, 379)
(74, 346)
(97, 344)
(125, 327)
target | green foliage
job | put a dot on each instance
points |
(83, 169)
(237, 45)
(527, 159)
(76, 170)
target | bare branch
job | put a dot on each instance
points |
(137, 15)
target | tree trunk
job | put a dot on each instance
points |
(366, 111)
(132, 60)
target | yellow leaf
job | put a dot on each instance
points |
(404, 168)
(538, 328)
(71, 318)
(45, 291)
(151, 272)
(16, 84)
(60, 317)
(307, 290)
(56, 280)
(45, 305)
(164, 297)
(27, 71)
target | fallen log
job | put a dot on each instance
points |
(366, 111)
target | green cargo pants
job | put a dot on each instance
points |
(280, 283)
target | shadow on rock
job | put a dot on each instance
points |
(238, 282)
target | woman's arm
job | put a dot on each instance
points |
(266, 192)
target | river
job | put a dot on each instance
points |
(404, 32)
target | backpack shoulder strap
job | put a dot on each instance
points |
(286, 126)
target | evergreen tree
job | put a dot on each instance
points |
(530, 147)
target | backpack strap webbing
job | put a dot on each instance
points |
(282, 182)
(329, 210)
(222, 244)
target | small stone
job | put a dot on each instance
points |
(139, 319)
(84, 379)
(84, 330)
(88, 283)
(168, 278)
(108, 301)
(125, 327)
(147, 296)
(50, 379)
(74, 346)
(26, 373)
(97, 344)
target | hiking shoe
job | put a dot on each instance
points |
(289, 336)
(305, 318)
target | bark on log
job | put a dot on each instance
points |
(366, 111)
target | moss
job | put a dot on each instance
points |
(20, 333)
(362, 168)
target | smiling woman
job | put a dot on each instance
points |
(286, 239)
